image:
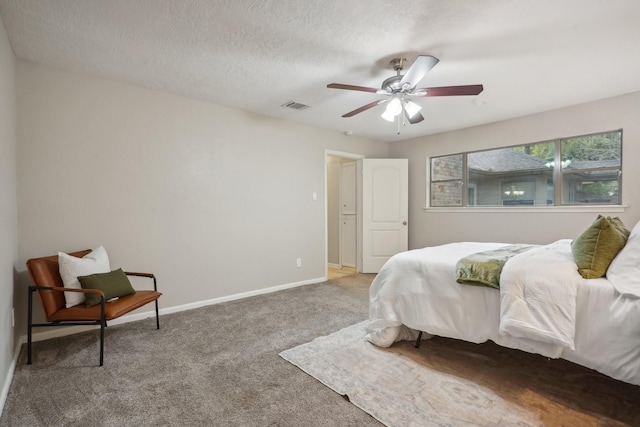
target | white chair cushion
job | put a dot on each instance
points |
(71, 267)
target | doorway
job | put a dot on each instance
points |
(342, 190)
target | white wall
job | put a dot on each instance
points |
(8, 209)
(431, 228)
(213, 200)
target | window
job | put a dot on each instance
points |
(592, 169)
(571, 171)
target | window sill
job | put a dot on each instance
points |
(546, 209)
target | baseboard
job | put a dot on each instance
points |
(69, 330)
(332, 265)
(9, 379)
(233, 297)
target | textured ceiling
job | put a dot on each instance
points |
(254, 55)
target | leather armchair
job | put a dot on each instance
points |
(48, 284)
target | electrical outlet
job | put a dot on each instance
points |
(299, 262)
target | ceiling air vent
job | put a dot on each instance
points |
(294, 105)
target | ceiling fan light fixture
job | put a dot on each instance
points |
(411, 108)
(400, 88)
(390, 117)
(394, 107)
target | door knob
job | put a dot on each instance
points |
(404, 222)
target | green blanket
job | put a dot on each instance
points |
(484, 268)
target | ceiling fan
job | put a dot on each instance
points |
(400, 87)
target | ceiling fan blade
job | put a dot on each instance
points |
(364, 108)
(351, 87)
(417, 117)
(420, 67)
(449, 90)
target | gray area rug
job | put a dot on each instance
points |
(452, 383)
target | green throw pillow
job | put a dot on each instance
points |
(598, 245)
(113, 284)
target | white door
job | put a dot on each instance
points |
(348, 196)
(385, 211)
(348, 240)
(348, 211)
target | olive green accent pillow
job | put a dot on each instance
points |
(598, 245)
(113, 284)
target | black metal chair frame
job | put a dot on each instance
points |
(102, 322)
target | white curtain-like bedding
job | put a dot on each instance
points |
(585, 321)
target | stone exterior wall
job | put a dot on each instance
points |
(445, 168)
(446, 192)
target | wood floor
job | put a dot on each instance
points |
(337, 273)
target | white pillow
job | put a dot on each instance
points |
(624, 270)
(71, 267)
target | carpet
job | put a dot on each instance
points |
(213, 366)
(454, 383)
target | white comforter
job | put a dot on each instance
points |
(416, 290)
(538, 291)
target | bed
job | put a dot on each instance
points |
(543, 305)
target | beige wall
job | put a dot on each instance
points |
(213, 200)
(431, 228)
(8, 209)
